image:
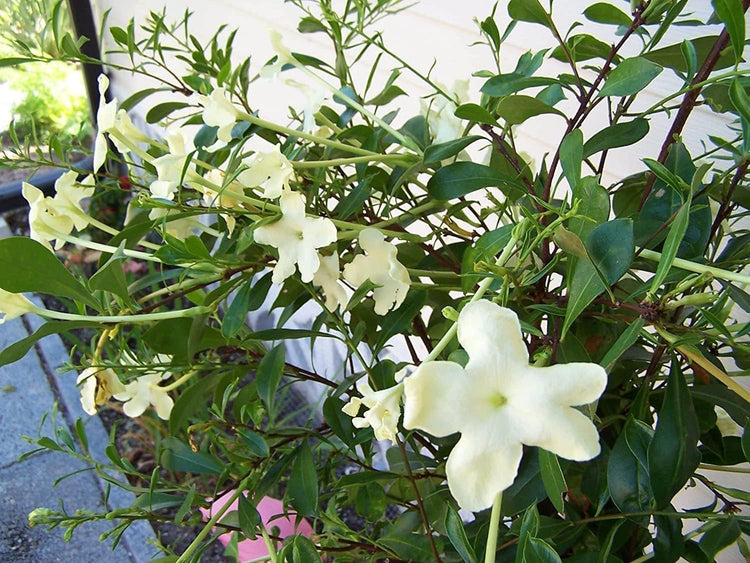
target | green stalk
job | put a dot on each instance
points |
(144, 318)
(345, 161)
(718, 273)
(491, 548)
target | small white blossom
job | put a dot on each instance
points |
(381, 267)
(170, 166)
(68, 195)
(297, 238)
(222, 198)
(13, 305)
(97, 386)
(441, 118)
(383, 409)
(269, 171)
(327, 277)
(499, 402)
(144, 392)
(219, 111)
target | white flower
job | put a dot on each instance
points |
(221, 197)
(441, 118)
(277, 44)
(327, 277)
(314, 98)
(68, 195)
(13, 305)
(179, 228)
(383, 408)
(97, 386)
(144, 392)
(381, 267)
(170, 166)
(270, 171)
(219, 111)
(297, 238)
(499, 402)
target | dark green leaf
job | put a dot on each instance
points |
(528, 487)
(673, 454)
(249, 517)
(399, 321)
(189, 401)
(601, 12)
(309, 24)
(234, 317)
(674, 238)
(339, 422)
(132, 100)
(13, 61)
(528, 11)
(255, 442)
(270, 370)
(553, 478)
(273, 334)
(370, 501)
(617, 135)
(529, 529)
(746, 440)
(386, 96)
(157, 501)
(411, 547)
(457, 535)
(168, 337)
(671, 56)
(177, 456)
(668, 543)
(517, 108)
(303, 482)
(627, 470)
(739, 98)
(303, 550)
(581, 48)
(504, 84)
(18, 349)
(623, 343)
(39, 270)
(474, 112)
(441, 151)
(717, 394)
(629, 77)
(110, 277)
(160, 111)
(732, 14)
(720, 536)
(352, 202)
(461, 178)
(571, 156)
(539, 551)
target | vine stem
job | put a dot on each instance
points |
(491, 548)
(718, 273)
(147, 317)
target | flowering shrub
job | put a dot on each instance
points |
(522, 360)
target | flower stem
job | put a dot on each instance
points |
(107, 248)
(272, 555)
(725, 275)
(146, 317)
(344, 161)
(491, 548)
(175, 384)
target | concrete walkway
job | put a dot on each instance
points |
(28, 390)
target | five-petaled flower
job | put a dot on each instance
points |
(219, 111)
(138, 395)
(297, 238)
(383, 408)
(13, 305)
(499, 402)
(270, 171)
(97, 386)
(381, 267)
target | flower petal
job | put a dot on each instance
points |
(491, 333)
(577, 383)
(563, 431)
(478, 469)
(435, 398)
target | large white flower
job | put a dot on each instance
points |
(97, 386)
(381, 267)
(297, 238)
(327, 277)
(270, 171)
(144, 392)
(499, 402)
(219, 111)
(383, 408)
(13, 305)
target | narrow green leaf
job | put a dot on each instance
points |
(474, 112)
(629, 77)
(671, 56)
(111, 278)
(720, 536)
(623, 343)
(370, 501)
(510, 83)
(441, 151)
(601, 12)
(746, 440)
(739, 98)
(529, 529)
(387, 95)
(571, 156)
(461, 178)
(731, 13)
(539, 551)
(177, 456)
(18, 349)
(553, 478)
(528, 11)
(13, 61)
(672, 244)
(303, 482)
(627, 469)
(457, 535)
(518, 108)
(249, 517)
(270, 370)
(160, 111)
(617, 135)
(236, 313)
(398, 321)
(410, 547)
(255, 442)
(38, 271)
(133, 100)
(303, 550)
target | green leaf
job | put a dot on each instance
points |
(303, 550)
(18, 349)
(617, 135)
(746, 440)
(454, 526)
(157, 501)
(38, 271)
(739, 98)
(601, 12)
(274, 334)
(399, 321)
(339, 422)
(623, 343)
(528, 11)
(188, 402)
(461, 178)
(717, 394)
(309, 24)
(518, 108)
(168, 337)
(539, 551)
(674, 238)
(249, 517)
(255, 442)
(668, 543)
(352, 202)
(131, 101)
(571, 156)
(110, 277)
(474, 112)
(177, 456)
(529, 529)
(732, 14)
(270, 370)
(410, 547)
(441, 151)
(671, 56)
(388, 95)
(582, 47)
(720, 536)
(236, 313)
(160, 111)
(510, 83)
(370, 501)
(553, 478)
(303, 482)
(627, 469)
(673, 453)
(13, 61)
(629, 77)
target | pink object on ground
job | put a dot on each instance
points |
(268, 508)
